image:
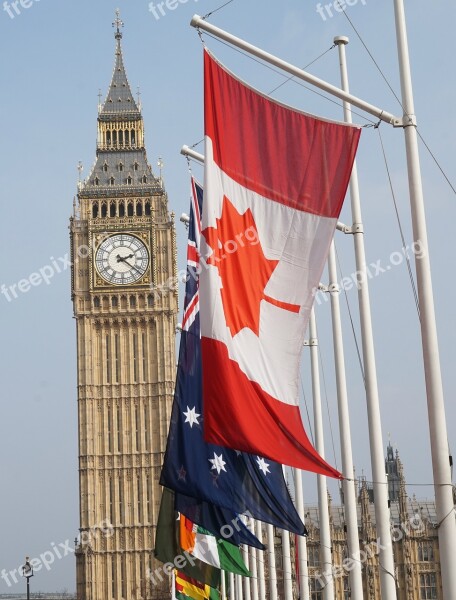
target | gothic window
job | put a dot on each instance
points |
(113, 576)
(144, 179)
(117, 352)
(139, 209)
(104, 210)
(95, 210)
(425, 552)
(313, 555)
(135, 358)
(127, 137)
(120, 166)
(150, 301)
(112, 209)
(114, 138)
(139, 503)
(136, 166)
(121, 137)
(133, 137)
(119, 430)
(112, 181)
(108, 360)
(105, 167)
(96, 302)
(144, 361)
(147, 208)
(121, 503)
(105, 303)
(121, 209)
(123, 302)
(132, 302)
(347, 589)
(137, 436)
(108, 138)
(114, 302)
(109, 429)
(130, 209)
(428, 587)
(96, 181)
(129, 180)
(315, 589)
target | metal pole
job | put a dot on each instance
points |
(239, 594)
(301, 540)
(28, 588)
(200, 23)
(325, 532)
(435, 401)
(253, 564)
(223, 587)
(286, 566)
(232, 587)
(272, 564)
(382, 514)
(247, 587)
(348, 484)
(260, 555)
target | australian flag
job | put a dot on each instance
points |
(236, 482)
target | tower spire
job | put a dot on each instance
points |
(118, 24)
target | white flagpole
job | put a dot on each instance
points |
(247, 588)
(286, 566)
(436, 408)
(260, 555)
(232, 587)
(325, 533)
(382, 513)
(272, 564)
(301, 540)
(348, 485)
(223, 587)
(253, 564)
(239, 594)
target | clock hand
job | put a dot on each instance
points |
(133, 266)
(124, 258)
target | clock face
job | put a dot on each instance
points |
(122, 259)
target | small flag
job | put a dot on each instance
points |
(168, 550)
(275, 181)
(210, 549)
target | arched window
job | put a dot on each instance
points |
(112, 181)
(136, 166)
(121, 137)
(144, 179)
(96, 181)
(139, 209)
(147, 207)
(108, 138)
(127, 137)
(112, 209)
(150, 301)
(104, 210)
(130, 209)
(132, 301)
(105, 167)
(129, 180)
(114, 138)
(121, 209)
(121, 166)
(114, 302)
(95, 211)
(133, 137)
(96, 302)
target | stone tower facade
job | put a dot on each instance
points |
(125, 306)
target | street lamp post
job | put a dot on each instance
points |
(27, 572)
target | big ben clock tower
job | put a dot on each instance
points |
(125, 306)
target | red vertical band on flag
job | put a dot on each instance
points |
(259, 143)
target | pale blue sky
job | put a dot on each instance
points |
(55, 57)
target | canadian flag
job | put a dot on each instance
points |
(275, 181)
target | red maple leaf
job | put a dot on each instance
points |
(243, 268)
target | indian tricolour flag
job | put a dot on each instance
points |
(275, 181)
(209, 549)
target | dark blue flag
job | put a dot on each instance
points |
(238, 482)
(217, 520)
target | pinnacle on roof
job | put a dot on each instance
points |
(119, 100)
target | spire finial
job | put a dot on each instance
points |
(118, 23)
